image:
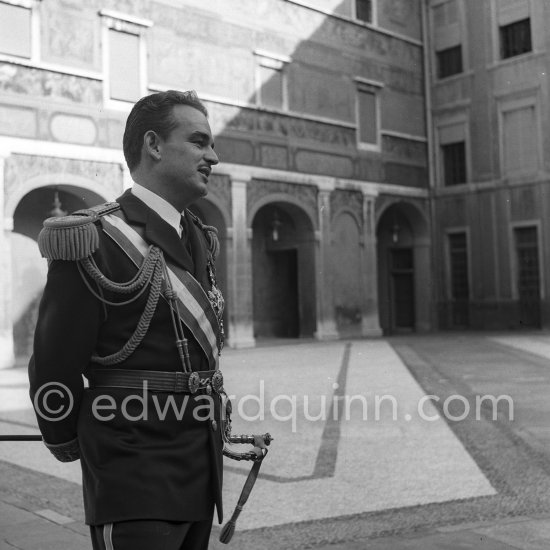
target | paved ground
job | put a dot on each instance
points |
(448, 471)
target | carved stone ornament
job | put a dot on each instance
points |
(341, 199)
(306, 195)
(28, 81)
(22, 168)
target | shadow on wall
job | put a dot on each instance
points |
(311, 73)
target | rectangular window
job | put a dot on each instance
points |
(454, 163)
(271, 91)
(271, 80)
(124, 57)
(520, 140)
(367, 106)
(449, 61)
(458, 251)
(459, 279)
(528, 276)
(15, 30)
(124, 66)
(515, 38)
(363, 10)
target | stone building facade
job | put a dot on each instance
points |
(489, 97)
(318, 112)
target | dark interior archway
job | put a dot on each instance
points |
(404, 282)
(283, 272)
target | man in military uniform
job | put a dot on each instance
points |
(131, 303)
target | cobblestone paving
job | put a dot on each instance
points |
(509, 454)
(517, 469)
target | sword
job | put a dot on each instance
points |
(21, 437)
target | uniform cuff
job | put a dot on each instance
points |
(65, 452)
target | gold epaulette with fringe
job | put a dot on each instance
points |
(73, 237)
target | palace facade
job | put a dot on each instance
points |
(361, 190)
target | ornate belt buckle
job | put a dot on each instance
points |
(194, 382)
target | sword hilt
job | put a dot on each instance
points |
(250, 439)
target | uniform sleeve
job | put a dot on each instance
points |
(65, 338)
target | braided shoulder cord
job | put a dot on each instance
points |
(144, 321)
(213, 240)
(142, 276)
(211, 235)
(140, 280)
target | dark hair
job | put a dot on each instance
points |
(154, 112)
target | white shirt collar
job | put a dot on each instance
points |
(162, 207)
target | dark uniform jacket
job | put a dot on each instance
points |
(141, 466)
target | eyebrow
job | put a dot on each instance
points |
(204, 137)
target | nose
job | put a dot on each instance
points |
(212, 157)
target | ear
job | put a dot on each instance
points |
(151, 144)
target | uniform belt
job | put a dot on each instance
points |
(160, 381)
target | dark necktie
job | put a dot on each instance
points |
(184, 230)
(186, 241)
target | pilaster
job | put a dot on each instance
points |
(7, 356)
(326, 323)
(370, 324)
(423, 285)
(239, 267)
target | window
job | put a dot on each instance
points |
(528, 276)
(454, 163)
(459, 280)
(367, 115)
(124, 66)
(363, 10)
(15, 30)
(271, 81)
(271, 91)
(447, 29)
(449, 61)
(124, 57)
(515, 38)
(520, 141)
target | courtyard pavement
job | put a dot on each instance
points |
(380, 443)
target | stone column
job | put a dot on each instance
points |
(423, 285)
(239, 270)
(326, 323)
(7, 357)
(370, 324)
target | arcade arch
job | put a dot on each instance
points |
(28, 268)
(404, 276)
(283, 274)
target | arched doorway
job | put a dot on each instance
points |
(210, 214)
(283, 272)
(404, 275)
(29, 269)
